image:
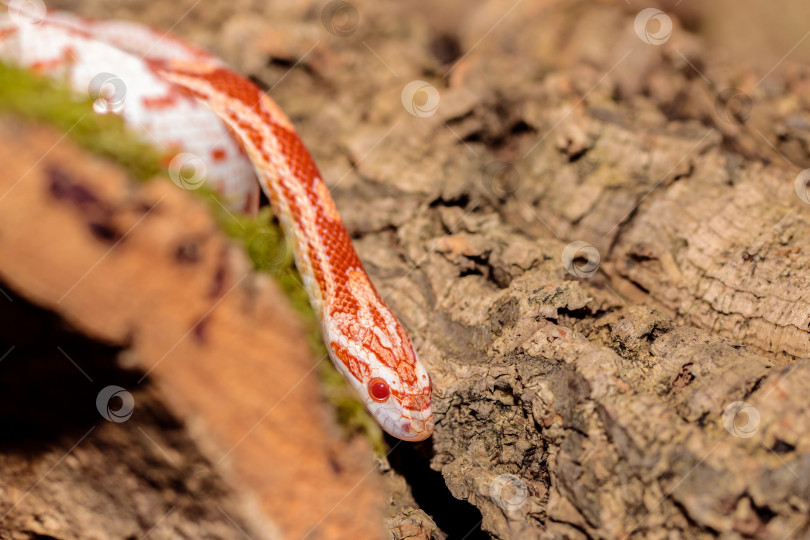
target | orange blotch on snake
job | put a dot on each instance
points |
(359, 370)
(378, 389)
(164, 101)
(218, 154)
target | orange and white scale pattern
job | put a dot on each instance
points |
(366, 342)
(78, 51)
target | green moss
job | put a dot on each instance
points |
(45, 100)
(264, 241)
(38, 98)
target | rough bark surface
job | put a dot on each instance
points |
(567, 407)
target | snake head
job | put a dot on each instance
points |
(402, 410)
(369, 346)
(397, 396)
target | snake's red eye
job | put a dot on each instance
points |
(378, 389)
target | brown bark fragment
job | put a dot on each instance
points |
(219, 343)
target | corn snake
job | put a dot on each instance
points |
(187, 100)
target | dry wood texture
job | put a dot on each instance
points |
(660, 395)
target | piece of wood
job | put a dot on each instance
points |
(145, 269)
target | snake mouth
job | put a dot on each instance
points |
(415, 420)
(413, 429)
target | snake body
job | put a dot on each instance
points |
(187, 99)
